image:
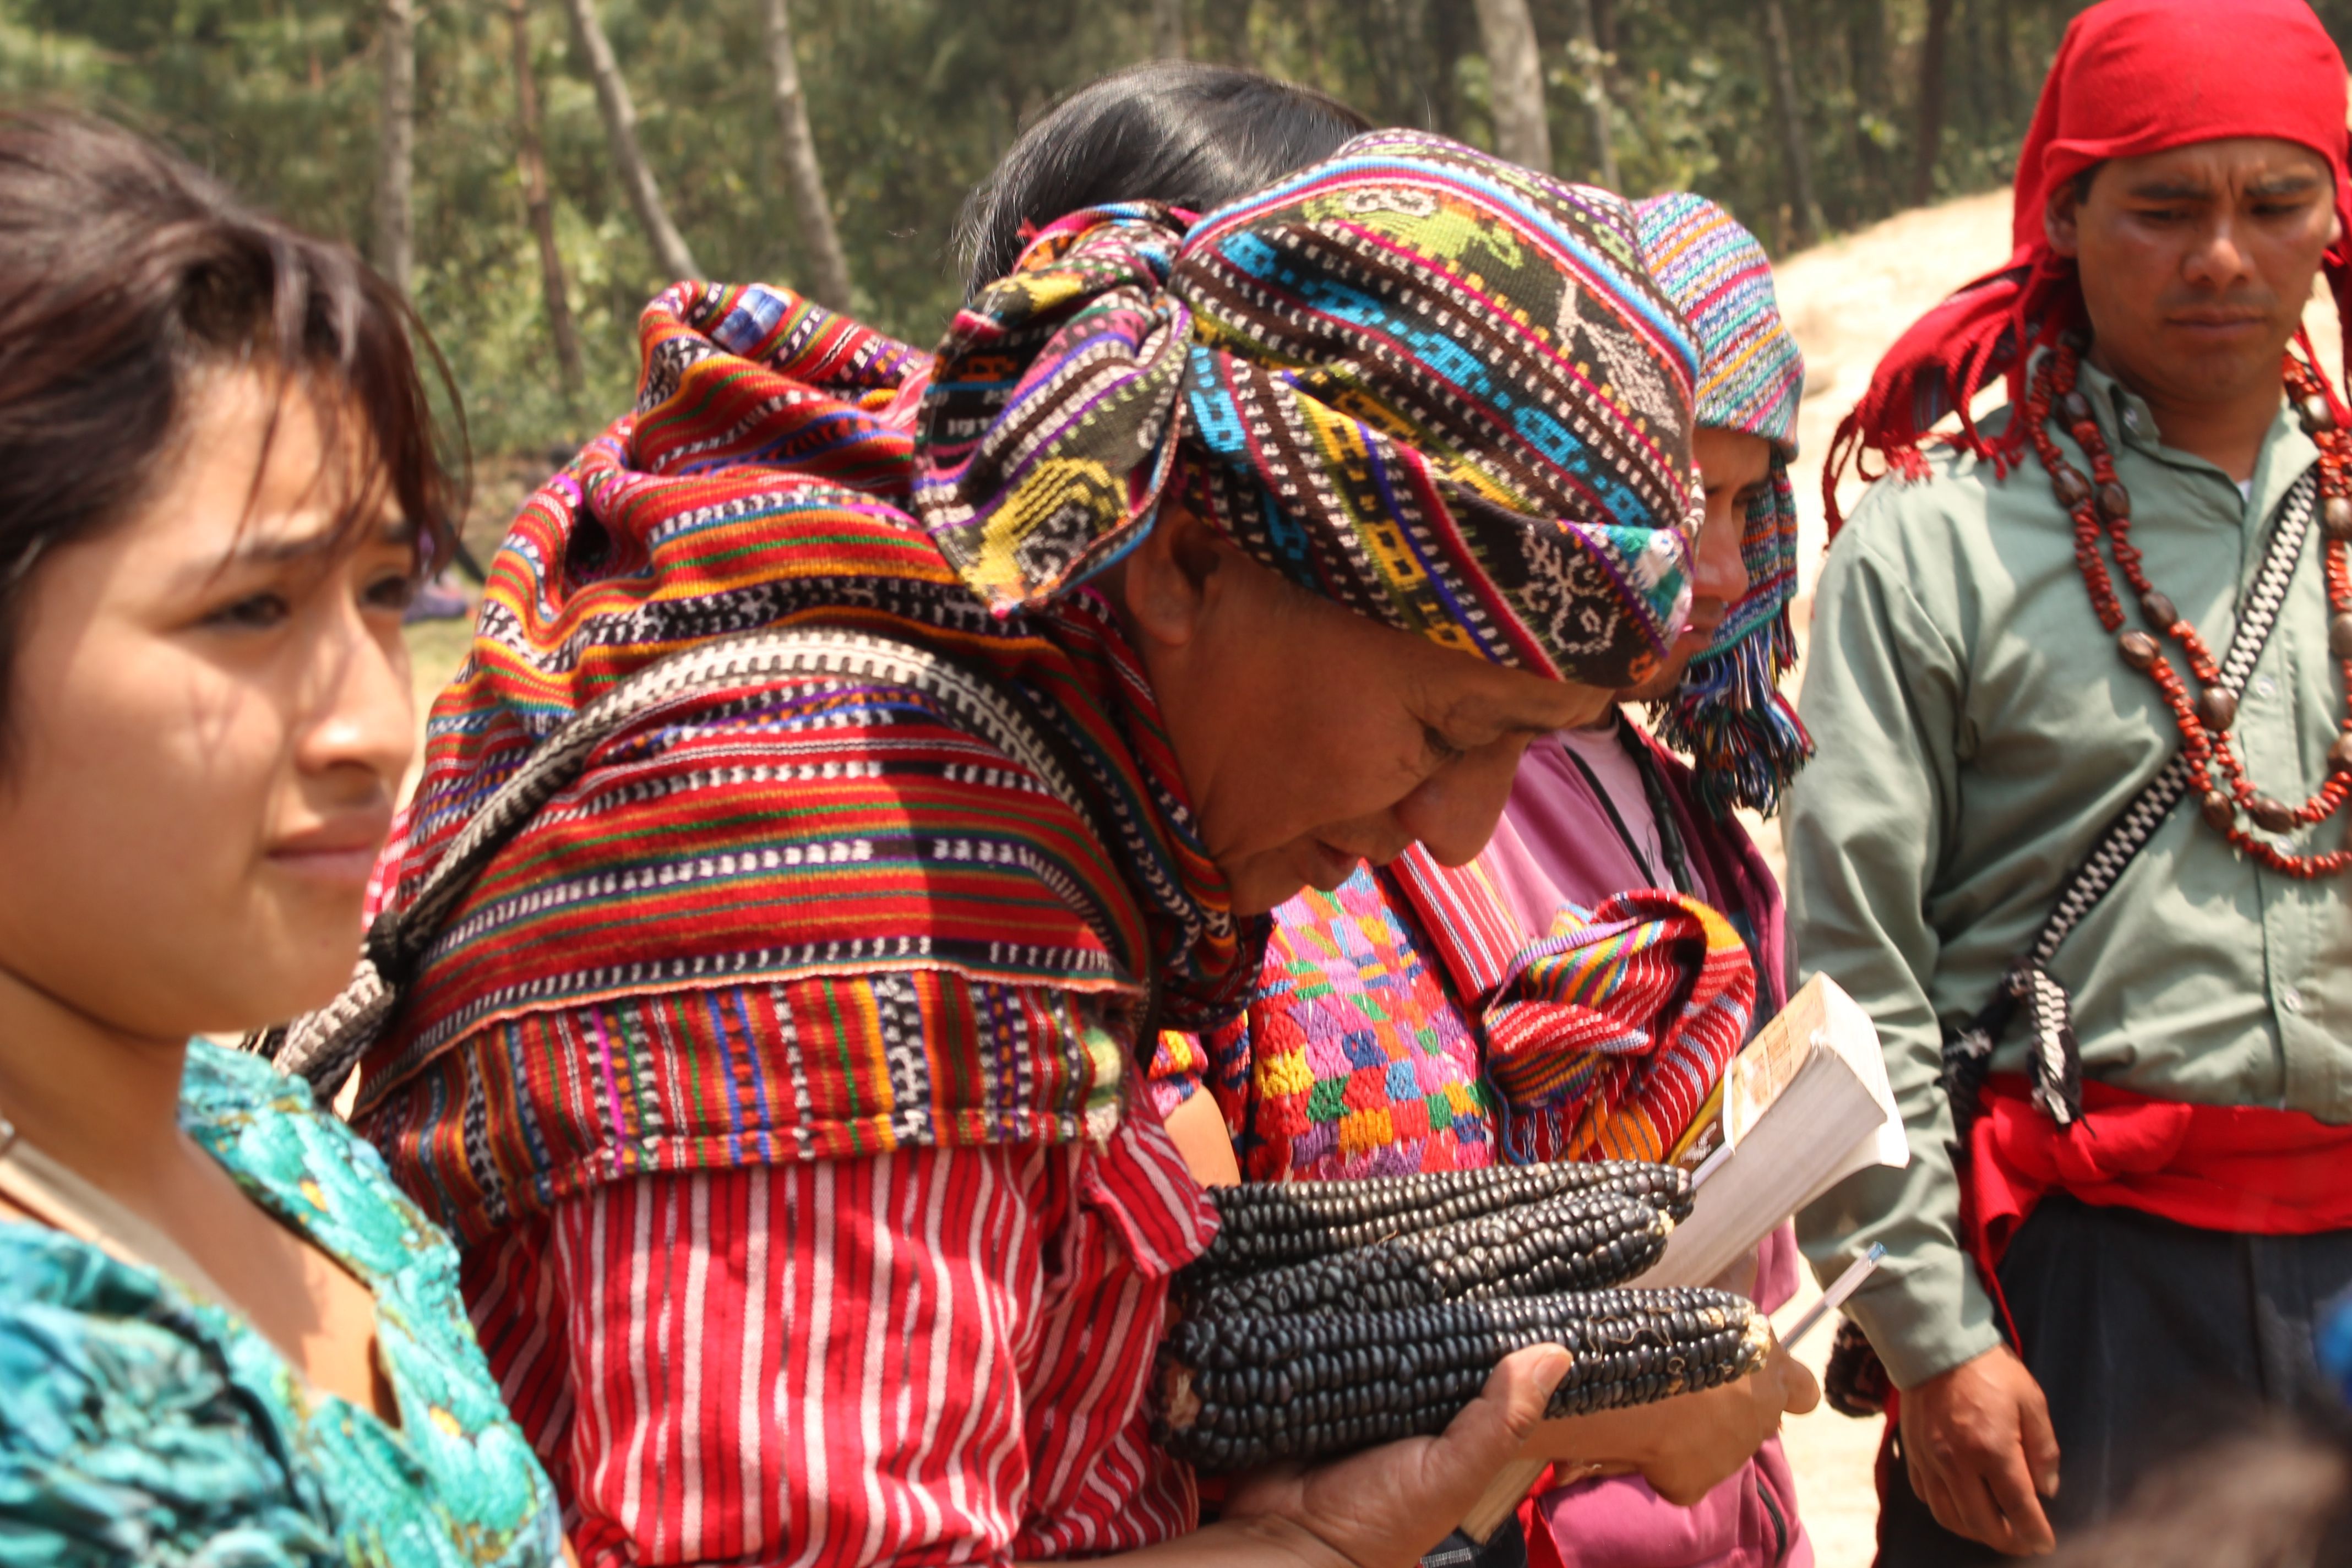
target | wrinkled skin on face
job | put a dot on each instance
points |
(2195, 265)
(209, 717)
(1734, 467)
(1310, 737)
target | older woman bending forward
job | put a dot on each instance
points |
(782, 1075)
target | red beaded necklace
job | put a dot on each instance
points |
(2100, 504)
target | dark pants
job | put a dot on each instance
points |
(1507, 1547)
(2146, 1337)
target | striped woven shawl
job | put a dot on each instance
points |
(801, 917)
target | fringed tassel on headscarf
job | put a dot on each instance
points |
(1727, 714)
(1728, 711)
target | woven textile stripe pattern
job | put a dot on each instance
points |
(1432, 386)
(1602, 1038)
(795, 918)
(1351, 1060)
(1623, 1019)
(1729, 713)
(700, 1360)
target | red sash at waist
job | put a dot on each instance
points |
(2242, 1168)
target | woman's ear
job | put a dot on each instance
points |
(1171, 582)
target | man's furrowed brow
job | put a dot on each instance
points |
(2285, 182)
(2170, 188)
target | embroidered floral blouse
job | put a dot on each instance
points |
(142, 1424)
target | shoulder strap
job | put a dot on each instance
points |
(2057, 1059)
(325, 1045)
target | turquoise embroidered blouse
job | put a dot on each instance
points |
(139, 1424)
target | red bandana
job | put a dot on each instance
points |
(2132, 78)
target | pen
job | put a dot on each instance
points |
(1835, 1296)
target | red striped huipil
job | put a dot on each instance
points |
(776, 1078)
(936, 1355)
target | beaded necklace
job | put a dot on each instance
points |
(2100, 504)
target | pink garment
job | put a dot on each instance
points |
(1749, 1522)
(1555, 846)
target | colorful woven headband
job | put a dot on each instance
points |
(1729, 713)
(1428, 385)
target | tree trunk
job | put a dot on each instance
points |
(1866, 63)
(621, 131)
(1168, 29)
(530, 162)
(1972, 31)
(1796, 161)
(1449, 40)
(1593, 65)
(2004, 64)
(820, 241)
(1514, 73)
(1931, 102)
(395, 250)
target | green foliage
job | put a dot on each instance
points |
(912, 100)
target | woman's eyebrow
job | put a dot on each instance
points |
(255, 550)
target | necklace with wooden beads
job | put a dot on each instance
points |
(2100, 505)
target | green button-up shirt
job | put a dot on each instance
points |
(1977, 731)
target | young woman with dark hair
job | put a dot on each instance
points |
(223, 1333)
(1191, 135)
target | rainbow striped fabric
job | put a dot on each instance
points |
(1426, 384)
(797, 918)
(1729, 713)
(1623, 1019)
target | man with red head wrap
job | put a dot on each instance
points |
(2085, 657)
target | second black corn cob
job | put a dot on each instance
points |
(1243, 1390)
(1327, 1317)
(1267, 1223)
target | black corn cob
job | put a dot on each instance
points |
(1580, 1241)
(1244, 1390)
(1270, 1223)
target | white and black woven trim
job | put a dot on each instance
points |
(2057, 1059)
(325, 1045)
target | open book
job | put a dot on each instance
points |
(1804, 1105)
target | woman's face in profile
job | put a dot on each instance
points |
(208, 718)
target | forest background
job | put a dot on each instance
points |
(533, 170)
